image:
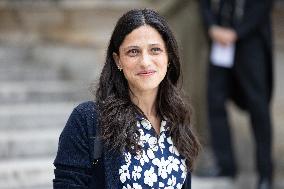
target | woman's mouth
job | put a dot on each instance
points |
(146, 72)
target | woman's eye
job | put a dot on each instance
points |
(133, 52)
(156, 50)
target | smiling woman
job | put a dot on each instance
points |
(144, 125)
(143, 58)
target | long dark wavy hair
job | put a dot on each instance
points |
(118, 114)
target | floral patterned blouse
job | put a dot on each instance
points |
(159, 165)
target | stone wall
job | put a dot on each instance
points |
(50, 53)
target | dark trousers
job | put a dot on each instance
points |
(251, 75)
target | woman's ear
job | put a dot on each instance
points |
(116, 59)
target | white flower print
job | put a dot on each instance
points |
(172, 148)
(155, 149)
(163, 168)
(146, 124)
(163, 123)
(142, 162)
(156, 161)
(179, 186)
(142, 158)
(141, 143)
(161, 185)
(169, 187)
(162, 138)
(127, 187)
(136, 174)
(138, 124)
(124, 173)
(138, 156)
(152, 142)
(143, 137)
(163, 126)
(150, 177)
(127, 157)
(183, 168)
(183, 162)
(137, 186)
(145, 157)
(169, 140)
(172, 181)
(183, 175)
(150, 154)
(141, 132)
(173, 164)
(161, 142)
(157, 165)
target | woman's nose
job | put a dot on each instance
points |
(145, 59)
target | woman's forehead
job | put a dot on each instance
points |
(143, 35)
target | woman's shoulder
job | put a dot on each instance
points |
(88, 107)
(85, 113)
(82, 120)
(75, 142)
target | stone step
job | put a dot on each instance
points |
(245, 180)
(34, 173)
(50, 62)
(28, 73)
(32, 130)
(73, 63)
(213, 183)
(31, 116)
(13, 55)
(37, 173)
(42, 91)
(28, 143)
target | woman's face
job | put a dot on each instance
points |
(143, 58)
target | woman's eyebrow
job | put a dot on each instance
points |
(155, 44)
(137, 47)
(130, 47)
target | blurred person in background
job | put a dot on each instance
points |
(144, 125)
(240, 68)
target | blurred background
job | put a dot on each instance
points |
(52, 50)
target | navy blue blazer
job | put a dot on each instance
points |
(74, 164)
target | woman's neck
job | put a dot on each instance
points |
(146, 101)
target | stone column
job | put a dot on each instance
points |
(185, 20)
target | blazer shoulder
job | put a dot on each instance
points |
(89, 115)
(88, 107)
